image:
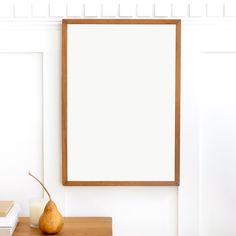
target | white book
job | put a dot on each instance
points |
(5, 207)
(9, 220)
(8, 231)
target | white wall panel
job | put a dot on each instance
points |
(127, 10)
(92, 10)
(218, 150)
(75, 9)
(136, 211)
(110, 10)
(197, 9)
(40, 9)
(215, 9)
(6, 9)
(162, 9)
(21, 123)
(188, 190)
(22, 10)
(230, 9)
(57, 9)
(179, 9)
(144, 10)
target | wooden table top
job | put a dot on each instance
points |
(73, 226)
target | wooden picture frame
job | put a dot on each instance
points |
(66, 103)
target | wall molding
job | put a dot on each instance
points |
(55, 24)
(59, 9)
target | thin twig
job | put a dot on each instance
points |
(41, 185)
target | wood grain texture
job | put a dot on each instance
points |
(65, 180)
(74, 226)
(119, 21)
(64, 103)
(121, 183)
(177, 101)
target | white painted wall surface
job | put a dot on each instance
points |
(218, 149)
(203, 205)
(21, 123)
(218, 134)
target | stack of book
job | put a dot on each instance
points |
(9, 211)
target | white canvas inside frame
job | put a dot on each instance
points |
(121, 102)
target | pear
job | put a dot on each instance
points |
(51, 220)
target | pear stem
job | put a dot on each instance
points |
(41, 185)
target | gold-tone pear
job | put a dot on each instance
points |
(51, 221)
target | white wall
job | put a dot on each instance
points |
(20, 124)
(218, 134)
(30, 126)
(218, 150)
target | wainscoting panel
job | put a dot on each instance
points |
(21, 123)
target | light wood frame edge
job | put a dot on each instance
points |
(64, 103)
(65, 180)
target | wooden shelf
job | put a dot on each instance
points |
(73, 226)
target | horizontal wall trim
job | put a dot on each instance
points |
(55, 10)
(55, 24)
